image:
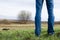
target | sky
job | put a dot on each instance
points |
(9, 9)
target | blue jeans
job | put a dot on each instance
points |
(39, 4)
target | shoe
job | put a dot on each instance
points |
(37, 35)
(50, 34)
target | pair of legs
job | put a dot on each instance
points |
(39, 4)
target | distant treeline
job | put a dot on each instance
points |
(5, 21)
(16, 21)
(57, 22)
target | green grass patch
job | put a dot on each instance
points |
(27, 35)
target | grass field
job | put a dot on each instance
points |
(26, 32)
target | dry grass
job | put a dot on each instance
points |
(24, 26)
(17, 26)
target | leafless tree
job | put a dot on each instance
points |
(24, 16)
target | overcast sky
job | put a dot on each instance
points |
(9, 9)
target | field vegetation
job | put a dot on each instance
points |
(26, 32)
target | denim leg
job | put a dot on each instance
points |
(39, 4)
(49, 4)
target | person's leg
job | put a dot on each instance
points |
(50, 5)
(39, 4)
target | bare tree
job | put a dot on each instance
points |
(24, 16)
